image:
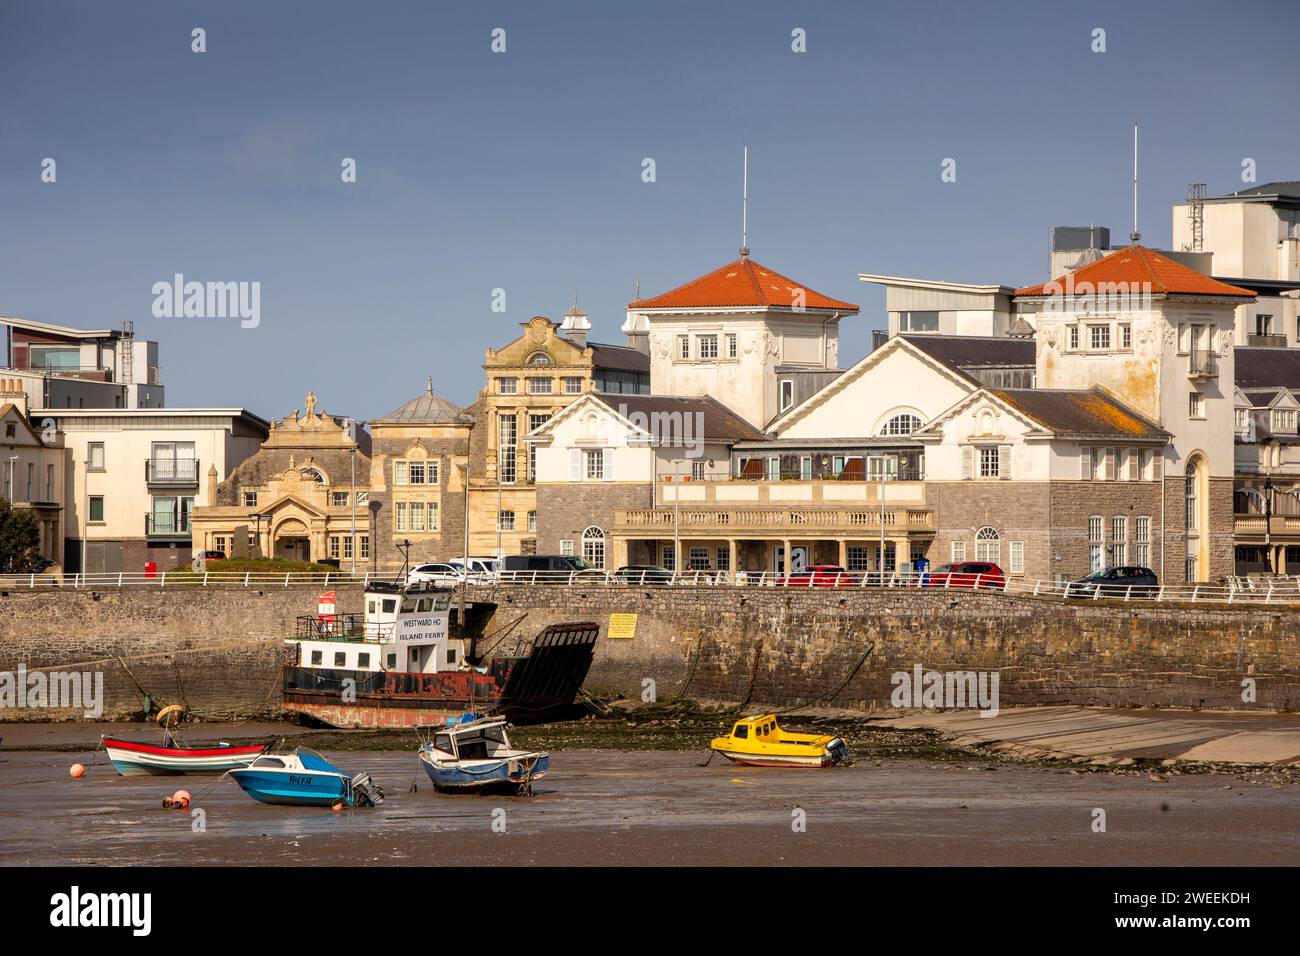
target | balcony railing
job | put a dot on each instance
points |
(1202, 365)
(775, 522)
(1257, 526)
(166, 526)
(171, 471)
(1266, 341)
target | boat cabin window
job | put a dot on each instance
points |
(442, 742)
(451, 655)
(370, 608)
(425, 605)
(392, 661)
(316, 657)
(390, 605)
(268, 762)
(340, 658)
(742, 731)
(442, 603)
(363, 660)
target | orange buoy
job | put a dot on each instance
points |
(76, 771)
(181, 799)
(338, 806)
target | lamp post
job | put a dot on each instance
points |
(352, 434)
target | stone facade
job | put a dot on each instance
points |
(297, 497)
(437, 448)
(566, 511)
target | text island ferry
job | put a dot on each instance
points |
(398, 664)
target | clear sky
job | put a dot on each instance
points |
(523, 170)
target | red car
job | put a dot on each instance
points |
(967, 575)
(819, 576)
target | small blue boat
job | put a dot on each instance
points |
(305, 779)
(472, 754)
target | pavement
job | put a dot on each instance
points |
(1118, 737)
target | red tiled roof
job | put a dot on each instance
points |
(743, 283)
(1143, 267)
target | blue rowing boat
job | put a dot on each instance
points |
(472, 754)
(305, 779)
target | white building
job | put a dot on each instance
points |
(31, 468)
(753, 339)
(1158, 335)
(63, 367)
(1254, 236)
(135, 476)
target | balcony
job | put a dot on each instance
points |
(1248, 528)
(1266, 341)
(1202, 365)
(776, 522)
(171, 471)
(730, 493)
(167, 527)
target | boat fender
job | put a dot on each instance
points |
(177, 801)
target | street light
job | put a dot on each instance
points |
(352, 434)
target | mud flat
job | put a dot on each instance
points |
(656, 807)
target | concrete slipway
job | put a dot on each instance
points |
(1110, 736)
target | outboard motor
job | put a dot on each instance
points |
(365, 791)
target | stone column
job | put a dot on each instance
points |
(844, 552)
(785, 543)
(733, 557)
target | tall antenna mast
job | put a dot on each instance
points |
(1134, 236)
(744, 208)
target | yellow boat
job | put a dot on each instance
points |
(759, 742)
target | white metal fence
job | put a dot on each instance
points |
(1267, 591)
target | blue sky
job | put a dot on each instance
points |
(522, 170)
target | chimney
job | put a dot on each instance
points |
(637, 330)
(13, 393)
(576, 325)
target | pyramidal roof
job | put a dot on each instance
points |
(1140, 266)
(741, 284)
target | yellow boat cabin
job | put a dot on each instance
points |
(760, 742)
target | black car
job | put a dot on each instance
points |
(1127, 580)
(639, 574)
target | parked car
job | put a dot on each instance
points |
(477, 570)
(819, 576)
(203, 560)
(1128, 580)
(548, 567)
(967, 575)
(638, 574)
(441, 575)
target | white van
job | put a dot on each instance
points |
(478, 570)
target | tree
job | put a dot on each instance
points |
(20, 538)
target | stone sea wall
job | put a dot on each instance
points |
(219, 651)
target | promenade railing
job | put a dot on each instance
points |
(1279, 590)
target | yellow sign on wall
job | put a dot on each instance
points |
(622, 626)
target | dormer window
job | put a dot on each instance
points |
(1284, 420)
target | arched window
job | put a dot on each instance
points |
(903, 424)
(539, 358)
(312, 474)
(988, 545)
(1191, 516)
(593, 546)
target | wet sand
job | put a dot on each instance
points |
(655, 807)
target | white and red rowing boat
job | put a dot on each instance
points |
(133, 759)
